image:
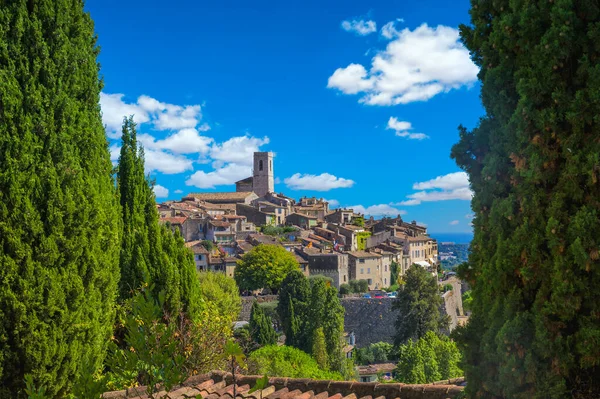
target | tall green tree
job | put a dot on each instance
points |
(534, 166)
(221, 290)
(418, 305)
(431, 358)
(261, 327)
(306, 306)
(150, 252)
(294, 300)
(319, 349)
(264, 266)
(59, 226)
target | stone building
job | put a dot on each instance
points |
(333, 265)
(373, 267)
(262, 181)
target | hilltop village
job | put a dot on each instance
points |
(337, 243)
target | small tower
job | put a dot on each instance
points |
(263, 182)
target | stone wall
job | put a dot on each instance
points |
(247, 302)
(371, 320)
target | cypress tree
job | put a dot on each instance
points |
(319, 349)
(418, 306)
(294, 297)
(534, 166)
(150, 252)
(261, 327)
(59, 228)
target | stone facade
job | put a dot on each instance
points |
(263, 181)
(333, 265)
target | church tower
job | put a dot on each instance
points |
(263, 182)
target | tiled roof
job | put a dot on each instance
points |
(219, 223)
(219, 385)
(376, 368)
(196, 247)
(221, 196)
(363, 254)
(173, 219)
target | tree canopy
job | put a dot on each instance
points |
(533, 164)
(150, 252)
(431, 358)
(220, 289)
(418, 306)
(306, 305)
(286, 361)
(264, 266)
(59, 228)
(261, 327)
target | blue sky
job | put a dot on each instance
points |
(359, 100)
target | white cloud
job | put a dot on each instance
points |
(351, 80)
(114, 109)
(454, 223)
(445, 182)
(333, 203)
(160, 191)
(165, 162)
(389, 30)
(377, 210)
(416, 66)
(359, 26)
(239, 150)
(185, 141)
(469, 216)
(453, 186)
(322, 182)
(178, 191)
(225, 175)
(402, 129)
(162, 116)
(277, 180)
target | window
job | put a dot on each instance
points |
(386, 268)
(344, 278)
(260, 165)
(362, 271)
(270, 165)
(369, 281)
(361, 261)
(368, 270)
(385, 281)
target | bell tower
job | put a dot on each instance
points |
(263, 181)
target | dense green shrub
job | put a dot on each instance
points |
(286, 361)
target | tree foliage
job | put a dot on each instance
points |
(359, 286)
(394, 273)
(379, 352)
(261, 327)
(305, 306)
(319, 349)
(264, 266)
(150, 252)
(429, 359)
(222, 291)
(418, 306)
(533, 163)
(286, 361)
(59, 231)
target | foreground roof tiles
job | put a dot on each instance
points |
(219, 385)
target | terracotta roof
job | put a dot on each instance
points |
(173, 219)
(219, 223)
(303, 215)
(219, 385)
(363, 254)
(220, 196)
(196, 247)
(376, 368)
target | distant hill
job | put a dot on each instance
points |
(457, 238)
